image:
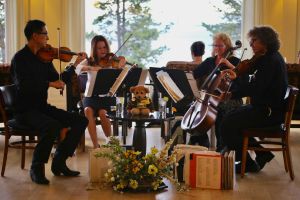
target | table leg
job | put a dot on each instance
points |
(139, 138)
(124, 131)
(168, 130)
(162, 130)
(116, 127)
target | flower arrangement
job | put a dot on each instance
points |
(131, 171)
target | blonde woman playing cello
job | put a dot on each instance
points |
(221, 48)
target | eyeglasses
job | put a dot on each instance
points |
(43, 33)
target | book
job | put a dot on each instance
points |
(206, 170)
(185, 151)
(213, 170)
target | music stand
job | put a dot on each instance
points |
(132, 79)
(104, 81)
(180, 79)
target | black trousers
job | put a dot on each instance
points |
(49, 122)
(244, 117)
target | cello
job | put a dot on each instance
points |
(203, 112)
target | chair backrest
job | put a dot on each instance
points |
(7, 98)
(8, 94)
(291, 95)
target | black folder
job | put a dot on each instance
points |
(104, 81)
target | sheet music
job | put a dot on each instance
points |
(143, 77)
(119, 80)
(90, 83)
(193, 84)
(169, 86)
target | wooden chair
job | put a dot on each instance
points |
(282, 132)
(12, 128)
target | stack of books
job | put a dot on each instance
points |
(208, 169)
(212, 170)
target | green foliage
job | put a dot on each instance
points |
(232, 20)
(117, 19)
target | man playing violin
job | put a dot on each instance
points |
(266, 85)
(100, 58)
(32, 78)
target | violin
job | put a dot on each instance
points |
(245, 66)
(48, 53)
(111, 60)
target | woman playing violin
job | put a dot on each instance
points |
(100, 58)
(221, 46)
(266, 86)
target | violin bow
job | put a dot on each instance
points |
(121, 45)
(61, 92)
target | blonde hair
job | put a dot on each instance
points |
(225, 39)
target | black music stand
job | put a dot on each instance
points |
(104, 81)
(180, 79)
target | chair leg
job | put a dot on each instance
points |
(244, 155)
(23, 152)
(4, 155)
(289, 161)
(285, 161)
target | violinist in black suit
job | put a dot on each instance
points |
(32, 78)
(266, 85)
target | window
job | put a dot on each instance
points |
(2, 31)
(170, 27)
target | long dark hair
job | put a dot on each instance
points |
(93, 55)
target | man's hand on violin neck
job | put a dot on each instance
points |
(57, 84)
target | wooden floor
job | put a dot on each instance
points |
(271, 183)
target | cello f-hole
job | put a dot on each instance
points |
(191, 115)
(194, 119)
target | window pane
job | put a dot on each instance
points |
(2, 31)
(175, 26)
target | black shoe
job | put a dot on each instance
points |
(263, 158)
(37, 174)
(201, 140)
(57, 170)
(250, 167)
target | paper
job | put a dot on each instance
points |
(169, 86)
(119, 80)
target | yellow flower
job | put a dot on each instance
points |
(135, 170)
(152, 169)
(155, 185)
(154, 150)
(133, 184)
